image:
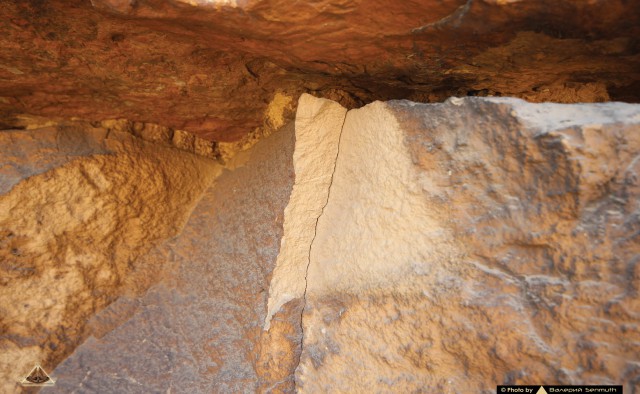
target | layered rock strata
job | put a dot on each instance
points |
(220, 69)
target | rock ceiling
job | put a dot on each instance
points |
(220, 68)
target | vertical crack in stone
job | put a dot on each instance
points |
(315, 233)
(318, 130)
(319, 124)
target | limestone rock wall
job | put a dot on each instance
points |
(81, 208)
(473, 243)
(199, 328)
(400, 247)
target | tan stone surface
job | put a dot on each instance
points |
(457, 246)
(318, 128)
(71, 234)
(199, 328)
(486, 241)
(25, 153)
(279, 350)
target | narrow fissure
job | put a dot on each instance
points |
(315, 233)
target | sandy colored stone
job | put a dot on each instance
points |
(318, 128)
(28, 152)
(450, 247)
(487, 241)
(280, 348)
(199, 328)
(71, 235)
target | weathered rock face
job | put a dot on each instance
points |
(398, 247)
(74, 233)
(472, 243)
(199, 328)
(147, 243)
(222, 69)
(318, 127)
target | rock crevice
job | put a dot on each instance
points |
(318, 126)
(315, 233)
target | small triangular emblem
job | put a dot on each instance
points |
(541, 390)
(37, 377)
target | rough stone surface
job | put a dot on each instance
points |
(318, 127)
(199, 328)
(29, 152)
(450, 247)
(486, 241)
(219, 68)
(280, 349)
(71, 235)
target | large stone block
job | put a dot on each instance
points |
(473, 243)
(397, 247)
(81, 209)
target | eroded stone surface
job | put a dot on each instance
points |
(72, 233)
(318, 127)
(280, 348)
(29, 152)
(473, 243)
(462, 245)
(199, 329)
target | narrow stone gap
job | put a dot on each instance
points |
(315, 233)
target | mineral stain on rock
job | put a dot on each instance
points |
(212, 68)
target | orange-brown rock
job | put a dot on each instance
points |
(163, 227)
(214, 68)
